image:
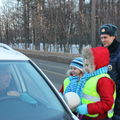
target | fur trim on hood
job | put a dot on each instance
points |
(98, 57)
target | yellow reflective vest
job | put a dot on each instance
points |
(66, 83)
(90, 94)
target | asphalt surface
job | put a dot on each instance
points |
(65, 58)
(56, 72)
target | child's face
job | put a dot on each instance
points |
(86, 65)
(75, 71)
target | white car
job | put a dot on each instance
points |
(28, 93)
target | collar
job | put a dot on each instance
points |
(113, 46)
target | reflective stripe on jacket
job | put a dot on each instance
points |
(90, 94)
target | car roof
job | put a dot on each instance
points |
(7, 53)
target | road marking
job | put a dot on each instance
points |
(54, 73)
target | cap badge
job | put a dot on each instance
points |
(109, 67)
(103, 30)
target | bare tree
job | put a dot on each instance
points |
(93, 23)
(81, 13)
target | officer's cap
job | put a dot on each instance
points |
(108, 29)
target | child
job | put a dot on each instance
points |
(75, 73)
(96, 89)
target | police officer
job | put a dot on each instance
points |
(108, 33)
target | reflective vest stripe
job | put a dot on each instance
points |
(91, 98)
(111, 110)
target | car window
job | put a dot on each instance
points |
(34, 91)
(36, 85)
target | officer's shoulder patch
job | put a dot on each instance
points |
(109, 67)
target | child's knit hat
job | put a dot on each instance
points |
(78, 63)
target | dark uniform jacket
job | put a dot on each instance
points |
(114, 65)
(114, 70)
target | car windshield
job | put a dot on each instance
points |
(36, 99)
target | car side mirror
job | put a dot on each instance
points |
(72, 99)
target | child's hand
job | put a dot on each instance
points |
(82, 109)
